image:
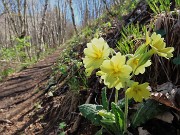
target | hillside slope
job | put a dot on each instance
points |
(40, 99)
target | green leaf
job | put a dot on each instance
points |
(90, 112)
(104, 99)
(145, 57)
(146, 111)
(99, 132)
(176, 60)
(107, 121)
(62, 133)
(119, 116)
(141, 49)
(62, 125)
(162, 32)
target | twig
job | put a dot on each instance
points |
(6, 121)
(79, 117)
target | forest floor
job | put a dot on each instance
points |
(20, 93)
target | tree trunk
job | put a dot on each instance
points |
(41, 48)
(10, 18)
(72, 15)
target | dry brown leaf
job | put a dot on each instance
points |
(163, 99)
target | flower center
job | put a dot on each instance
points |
(135, 61)
(117, 70)
(137, 90)
(98, 54)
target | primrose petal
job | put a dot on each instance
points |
(159, 46)
(95, 53)
(116, 71)
(138, 92)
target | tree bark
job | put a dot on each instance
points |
(105, 3)
(10, 18)
(72, 15)
(41, 48)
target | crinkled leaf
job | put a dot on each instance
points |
(90, 112)
(119, 116)
(104, 99)
(146, 111)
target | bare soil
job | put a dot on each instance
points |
(19, 95)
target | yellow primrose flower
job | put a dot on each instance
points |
(95, 53)
(159, 46)
(136, 67)
(115, 72)
(138, 91)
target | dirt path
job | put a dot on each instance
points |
(20, 92)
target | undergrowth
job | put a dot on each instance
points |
(17, 58)
(130, 36)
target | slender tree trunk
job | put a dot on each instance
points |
(5, 32)
(72, 15)
(20, 15)
(42, 27)
(64, 23)
(59, 23)
(105, 3)
(25, 18)
(10, 18)
(86, 15)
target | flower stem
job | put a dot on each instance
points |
(125, 114)
(116, 96)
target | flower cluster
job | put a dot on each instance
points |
(118, 70)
